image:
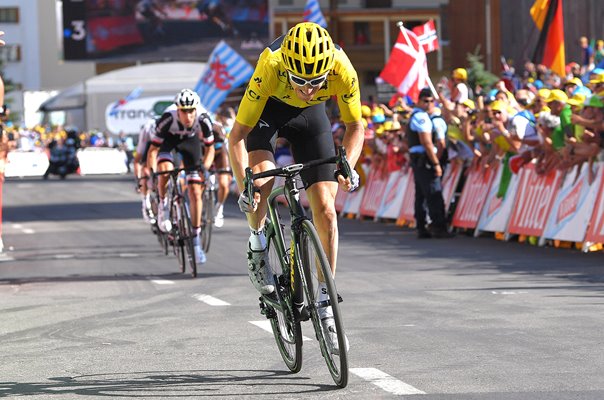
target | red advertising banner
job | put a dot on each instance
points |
(408, 208)
(473, 197)
(108, 33)
(535, 198)
(374, 192)
(595, 232)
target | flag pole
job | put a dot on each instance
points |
(404, 32)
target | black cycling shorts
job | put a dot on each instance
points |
(189, 147)
(308, 130)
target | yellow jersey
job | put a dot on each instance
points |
(270, 79)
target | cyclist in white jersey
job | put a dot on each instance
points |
(183, 129)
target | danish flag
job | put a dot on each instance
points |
(407, 68)
(426, 34)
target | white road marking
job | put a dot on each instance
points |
(128, 255)
(507, 292)
(386, 382)
(28, 231)
(210, 300)
(17, 226)
(63, 256)
(266, 325)
(162, 282)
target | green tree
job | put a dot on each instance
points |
(477, 75)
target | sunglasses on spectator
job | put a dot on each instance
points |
(314, 82)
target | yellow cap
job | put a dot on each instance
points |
(543, 93)
(460, 73)
(574, 81)
(576, 100)
(598, 79)
(469, 103)
(557, 95)
(499, 105)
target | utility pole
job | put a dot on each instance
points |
(333, 20)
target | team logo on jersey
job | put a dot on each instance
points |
(287, 96)
(282, 76)
(262, 124)
(251, 94)
(353, 83)
(348, 97)
(258, 80)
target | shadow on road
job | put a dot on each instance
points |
(463, 255)
(167, 384)
(72, 211)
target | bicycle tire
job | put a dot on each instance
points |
(286, 330)
(178, 242)
(186, 231)
(312, 258)
(207, 218)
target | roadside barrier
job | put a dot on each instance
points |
(563, 206)
(93, 160)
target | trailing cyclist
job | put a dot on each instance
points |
(141, 168)
(223, 168)
(183, 129)
(286, 97)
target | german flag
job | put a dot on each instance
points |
(547, 15)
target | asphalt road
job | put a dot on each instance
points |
(91, 308)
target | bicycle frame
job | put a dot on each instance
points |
(297, 214)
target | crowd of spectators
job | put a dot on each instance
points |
(528, 116)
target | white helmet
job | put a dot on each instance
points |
(187, 99)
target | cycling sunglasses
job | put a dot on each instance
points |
(312, 82)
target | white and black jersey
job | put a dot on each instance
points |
(169, 125)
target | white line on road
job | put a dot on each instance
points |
(128, 255)
(385, 381)
(162, 282)
(63, 256)
(210, 300)
(266, 325)
(17, 226)
(28, 231)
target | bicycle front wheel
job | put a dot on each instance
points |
(316, 270)
(207, 218)
(287, 331)
(186, 233)
(178, 243)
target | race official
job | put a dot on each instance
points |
(427, 170)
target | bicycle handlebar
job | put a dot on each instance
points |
(294, 169)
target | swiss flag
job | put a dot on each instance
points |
(426, 34)
(407, 68)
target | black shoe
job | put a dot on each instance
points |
(423, 234)
(441, 233)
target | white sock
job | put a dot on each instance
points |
(324, 312)
(257, 239)
(219, 208)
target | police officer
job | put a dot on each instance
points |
(427, 170)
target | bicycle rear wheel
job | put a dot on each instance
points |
(316, 269)
(207, 218)
(287, 331)
(186, 232)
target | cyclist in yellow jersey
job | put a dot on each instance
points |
(286, 97)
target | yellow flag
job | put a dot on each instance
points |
(539, 11)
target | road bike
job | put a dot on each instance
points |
(181, 235)
(298, 270)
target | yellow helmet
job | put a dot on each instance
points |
(308, 50)
(460, 73)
